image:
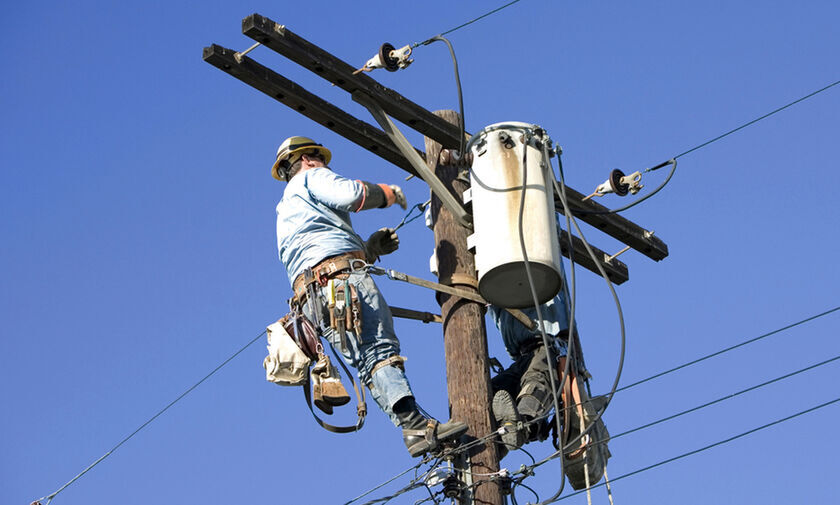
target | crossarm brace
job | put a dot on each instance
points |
(416, 161)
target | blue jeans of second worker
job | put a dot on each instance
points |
(377, 342)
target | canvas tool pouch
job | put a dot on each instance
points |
(286, 364)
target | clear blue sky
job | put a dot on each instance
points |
(138, 247)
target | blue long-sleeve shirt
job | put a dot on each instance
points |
(313, 219)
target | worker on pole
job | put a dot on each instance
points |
(523, 395)
(325, 259)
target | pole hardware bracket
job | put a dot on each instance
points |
(238, 56)
(461, 216)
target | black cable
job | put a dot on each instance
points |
(392, 479)
(563, 447)
(546, 343)
(460, 93)
(429, 41)
(536, 495)
(710, 446)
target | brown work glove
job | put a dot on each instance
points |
(383, 241)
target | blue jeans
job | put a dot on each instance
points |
(376, 343)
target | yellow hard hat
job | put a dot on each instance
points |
(291, 150)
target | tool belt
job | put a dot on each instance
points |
(328, 268)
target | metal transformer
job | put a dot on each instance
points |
(502, 153)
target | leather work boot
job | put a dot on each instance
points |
(332, 390)
(327, 390)
(507, 416)
(420, 433)
(318, 395)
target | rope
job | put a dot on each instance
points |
(462, 25)
(149, 421)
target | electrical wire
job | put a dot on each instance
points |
(561, 190)
(460, 93)
(731, 348)
(528, 470)
(673, 162)
(392, 479)
(531, 285)
(405, 220)
(543, 417)
(727, 397)
(710, 446)
(462, 25)
(50, 497)
(707, 404)
(756, 120)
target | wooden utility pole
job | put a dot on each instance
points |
(464, 335)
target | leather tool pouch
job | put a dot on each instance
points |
(345, 310)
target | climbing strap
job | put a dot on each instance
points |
(397, 361)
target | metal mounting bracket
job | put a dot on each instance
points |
(399, 140)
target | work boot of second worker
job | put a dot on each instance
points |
(504, 410)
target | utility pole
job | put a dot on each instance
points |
(464, 335)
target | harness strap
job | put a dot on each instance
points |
(395, 360)
(457, 279)
(323, 271)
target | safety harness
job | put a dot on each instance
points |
(345, 314)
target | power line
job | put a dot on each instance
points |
(722, 351)
(727, 397)
(392, 479)
(414, 483)
(673, 161)
(809, 95)
(149, 421)
(710, 446)
(539, 419)
(462, 25)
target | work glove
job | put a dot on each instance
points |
(383, 241)
(399, 196)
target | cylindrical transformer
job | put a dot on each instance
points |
(496, 194)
